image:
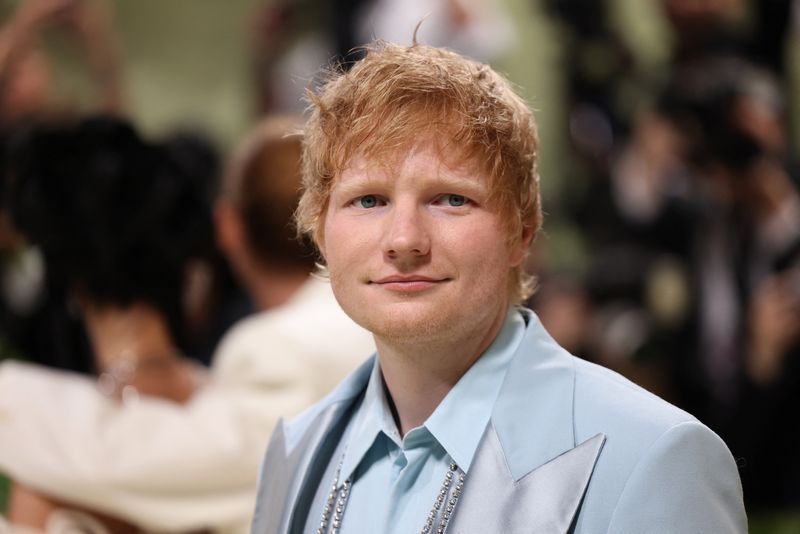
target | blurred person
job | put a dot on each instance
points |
(26, 74)
(731, 120)
(753, 29)
(702, 281)
(39, 319)
(117, 221)
(610, 89)
(290, 39)
(293, 39)
(702, 26)
(422, 193)
(36, 320)
(21, 272)
(214, 300)
(481, 29)
(747, 255)
(163, 466)
(255, 229)
(729, 114)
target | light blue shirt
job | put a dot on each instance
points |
(395, 480)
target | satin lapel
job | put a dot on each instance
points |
(284, 475)
(545, 501)
(310, 459)
(528, 475)
(289, 470)
(274, 483)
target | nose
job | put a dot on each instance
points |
(406, 235)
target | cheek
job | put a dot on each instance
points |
(484, 250)
(343, 245)
(329, 237)
(489, 238)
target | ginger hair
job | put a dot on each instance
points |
(395, 95)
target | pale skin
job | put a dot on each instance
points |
(418, 256)
(140, 331)
(30, 508)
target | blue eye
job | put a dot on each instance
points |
(456, 200)
(367, 201)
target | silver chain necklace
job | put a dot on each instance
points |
(338, 497)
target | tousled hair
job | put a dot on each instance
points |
(396, 94)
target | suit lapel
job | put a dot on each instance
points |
(276, 476)
(529, 474)
(294, 463)
(533, 414)
(545, 501)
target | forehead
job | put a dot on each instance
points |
(424, 160)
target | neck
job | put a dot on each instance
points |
(138, 330)
(268, 285)
(418, 375)
(272, 287)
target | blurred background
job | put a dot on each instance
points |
(670, 134)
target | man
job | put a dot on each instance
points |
(421, 192)
(167, 467)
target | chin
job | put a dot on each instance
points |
(408, 321)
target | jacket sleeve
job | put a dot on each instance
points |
(163, 466)
(687, 482)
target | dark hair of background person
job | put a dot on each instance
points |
(49, 331)
(116, 218)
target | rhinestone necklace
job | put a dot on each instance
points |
(338, 497)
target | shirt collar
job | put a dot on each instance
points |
(460, 419)
(458, 422)
(373, 416)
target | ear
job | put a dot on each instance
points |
(520, 248)
(319, 241)
(319, 233)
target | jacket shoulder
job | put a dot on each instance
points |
(651, 445)
(605, 397)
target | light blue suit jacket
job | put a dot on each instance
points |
(595, 454)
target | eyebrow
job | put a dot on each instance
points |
(351, 187)
(440, 180)
(448, 180)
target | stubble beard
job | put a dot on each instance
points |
(426, 330)
(407, 327)
(420, 327)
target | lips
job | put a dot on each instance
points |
(408, 283)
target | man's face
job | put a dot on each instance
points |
(414, 251)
